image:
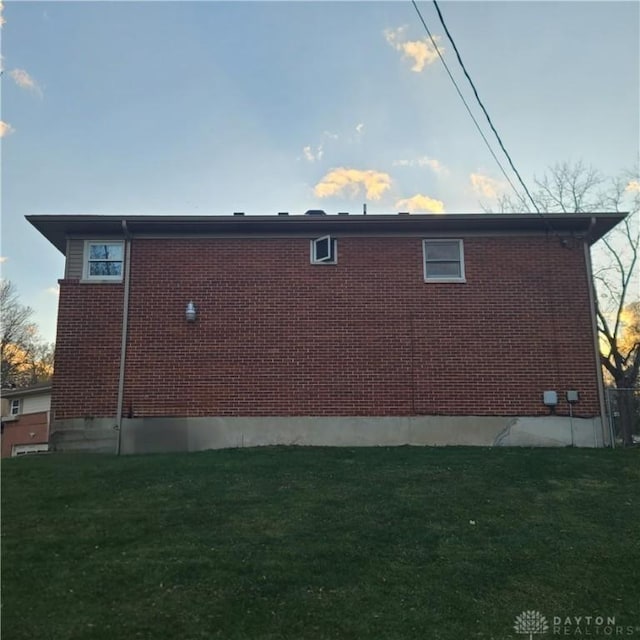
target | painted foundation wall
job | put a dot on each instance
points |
(159, 435)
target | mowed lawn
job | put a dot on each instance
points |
(307, 543)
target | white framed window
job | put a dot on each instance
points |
(443, 260)
(16, 405)
(103, 259)
(324, 250)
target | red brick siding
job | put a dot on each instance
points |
(85, 381)
(276, 335)
(19, 431)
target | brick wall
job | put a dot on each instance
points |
(31, 428)
(85, 381)
(276, 335)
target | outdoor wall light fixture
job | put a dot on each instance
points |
(190, 312)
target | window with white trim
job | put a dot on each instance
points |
(16, 405)
(103, 259)
(443, 260)
(324, 250)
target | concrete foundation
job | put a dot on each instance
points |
(156, 435)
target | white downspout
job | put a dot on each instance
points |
(123, 341)
(594, 331)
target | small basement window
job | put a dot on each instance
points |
(324, 250)
(443, 261)
(15, 407)
(103, 260)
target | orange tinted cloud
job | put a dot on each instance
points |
(5, 129)
(419, 203)
(24, 80)
(485, 186)
(422, 52)
(353, 181)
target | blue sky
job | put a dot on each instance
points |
(215, 107)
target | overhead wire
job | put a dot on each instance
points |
(475, 92)
(455, 84)
(475, 122)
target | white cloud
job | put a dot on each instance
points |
(424, 161)
(422, 52)
(25, 81)
(3, 259)
(435, 165)
(359, 127)
(634, 185)
(419, 203)
(5, 129)
(312, 156)
(55, 291)
(353, 182)
(486, 186)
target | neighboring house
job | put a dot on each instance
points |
(187, 333)
(25, 420)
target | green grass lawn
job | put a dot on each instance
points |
(306, 543)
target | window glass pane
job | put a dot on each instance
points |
(323, 249)
(105, 251)
(443, 270)
(105, 268)
(443, 250)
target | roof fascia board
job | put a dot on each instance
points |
(57, 228)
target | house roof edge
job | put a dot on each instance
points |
(58, 227)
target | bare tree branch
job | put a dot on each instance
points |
(577, 188)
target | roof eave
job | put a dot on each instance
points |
(57, 228)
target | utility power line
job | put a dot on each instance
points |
(473, 118)
(475, 92)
